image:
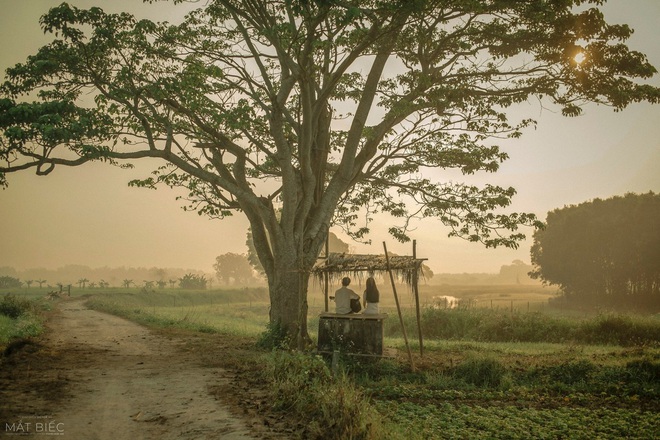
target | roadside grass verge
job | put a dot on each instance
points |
(19, 319)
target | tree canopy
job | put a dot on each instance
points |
(303, 114)
(234, 268)
(603, 252)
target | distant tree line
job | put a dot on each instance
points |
(603, 252)
(104, 277)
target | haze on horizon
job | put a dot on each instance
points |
(88, 215)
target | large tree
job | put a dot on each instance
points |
(603, 252)
(306, 113)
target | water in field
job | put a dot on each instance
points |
(445, 302)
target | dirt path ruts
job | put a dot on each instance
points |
(104, 377)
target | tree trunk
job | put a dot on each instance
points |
(287, 287)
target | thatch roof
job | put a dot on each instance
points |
(338, 265)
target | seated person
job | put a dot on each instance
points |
(371, 297)
(343, 297)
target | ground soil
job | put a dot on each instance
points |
(96, 376)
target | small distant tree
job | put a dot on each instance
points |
(231, 267)
(148, 284)
(517, 272)
(161, 284)
(127, 283)
(603, 252)
(82, 282)
(7, 282)
(28, 283)
(92, 285)
(172, 283)
(158, 273)
(41, 283)
(192, 281)
(104, 284)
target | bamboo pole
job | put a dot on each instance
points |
(398, 308)
(416, 292)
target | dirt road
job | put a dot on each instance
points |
(103, 377)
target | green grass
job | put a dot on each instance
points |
(242, 312)
(477, 324)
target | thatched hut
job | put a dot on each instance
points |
(338, 265)
(366, 331)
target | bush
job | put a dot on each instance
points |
(14, 307)
(483, 372)
(7, 282)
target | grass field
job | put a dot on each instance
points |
(471, 386)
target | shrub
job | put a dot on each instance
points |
(7, 282)
(14, 307)
(483, 371)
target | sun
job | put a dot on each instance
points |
(580, 57)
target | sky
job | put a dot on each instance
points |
(88, 215)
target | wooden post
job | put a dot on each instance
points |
(416, 292)
(398, 308)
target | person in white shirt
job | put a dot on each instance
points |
(343, 297)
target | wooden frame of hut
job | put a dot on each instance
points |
(407, 269)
